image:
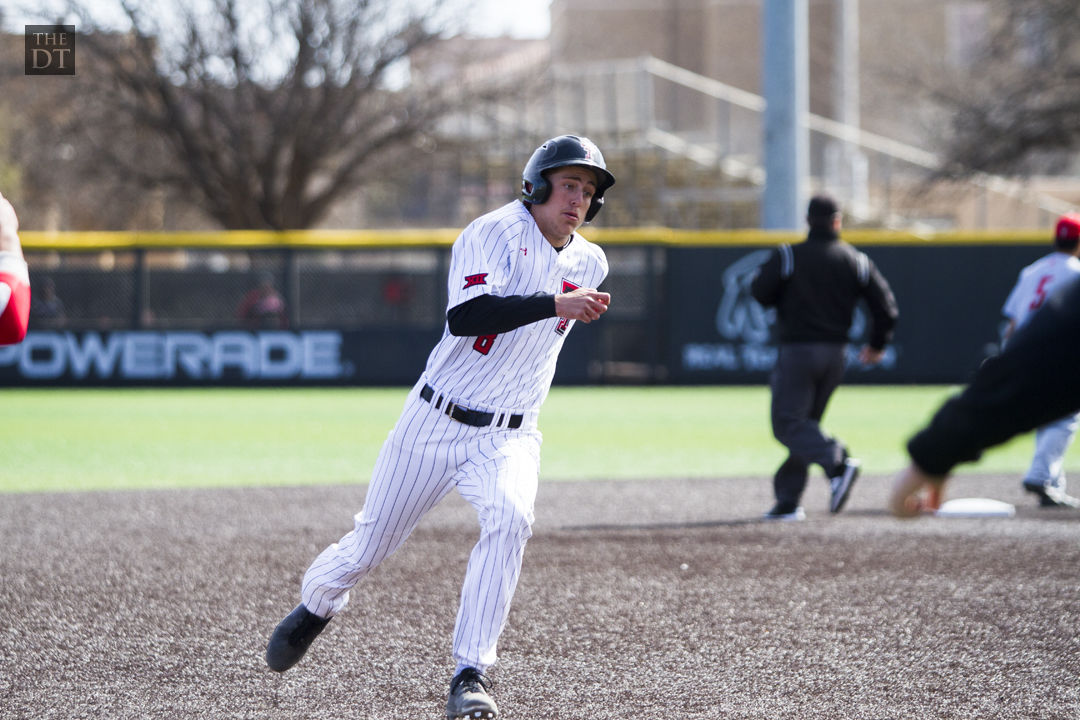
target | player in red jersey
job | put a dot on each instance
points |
(14, 278)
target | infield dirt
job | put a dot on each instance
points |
(638, 599)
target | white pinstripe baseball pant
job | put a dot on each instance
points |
(425, 456)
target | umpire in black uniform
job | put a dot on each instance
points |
(814, 287)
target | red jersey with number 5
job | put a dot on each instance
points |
(1037, 282)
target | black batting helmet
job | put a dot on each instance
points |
(559, 152)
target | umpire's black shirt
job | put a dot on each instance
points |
(815, 285)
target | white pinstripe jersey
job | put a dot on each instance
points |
(504, 253)
(1038, 281)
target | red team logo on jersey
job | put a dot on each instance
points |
(564, 323)
(474, 280)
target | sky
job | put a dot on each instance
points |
(517, 19)
(491, 17)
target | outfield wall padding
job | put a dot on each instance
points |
(159, 309)
(950, 302)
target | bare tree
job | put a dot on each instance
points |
(1018, 109)
(262, 112)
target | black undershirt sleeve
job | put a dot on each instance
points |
(491, 314)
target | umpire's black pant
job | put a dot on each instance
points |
(1035, 380)
(802, 381)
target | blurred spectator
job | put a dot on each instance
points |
(47, 308)
(397, 290)
(397, 293)
(263, 306)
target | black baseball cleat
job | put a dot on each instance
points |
(292, 637)
(1052, 497)
(469, 699)
(840, 485)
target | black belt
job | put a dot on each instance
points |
(474, 418)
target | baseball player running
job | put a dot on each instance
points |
(14, 279)
(519, 278)
(1046, 476)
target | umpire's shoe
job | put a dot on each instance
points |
(469, 699)
(840, 484)
(786, 512)
(292, 637)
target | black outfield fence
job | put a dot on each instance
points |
(364, 308)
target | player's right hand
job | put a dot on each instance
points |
(915, 492)
(869, 356)
(584, 304)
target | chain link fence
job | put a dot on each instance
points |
(368, 290)
(197, 289)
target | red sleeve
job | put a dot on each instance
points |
(16, 315)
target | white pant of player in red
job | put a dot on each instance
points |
(425, 456)
(1051, 443)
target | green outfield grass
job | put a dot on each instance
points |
(112, 439)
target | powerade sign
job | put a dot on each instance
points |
(148, 357)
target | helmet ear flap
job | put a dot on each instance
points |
(594, 207)
(535, 189)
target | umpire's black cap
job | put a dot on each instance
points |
(822, 207)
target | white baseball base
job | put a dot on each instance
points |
(975, 508)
